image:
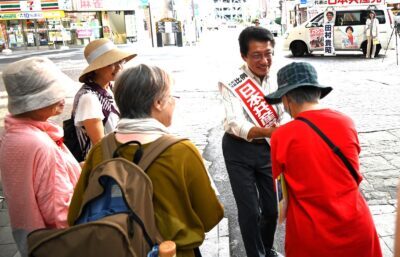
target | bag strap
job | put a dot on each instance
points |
(156, 148)
(334, 148)
(109, 144)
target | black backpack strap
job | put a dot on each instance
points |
(156, 148)
(334, 148)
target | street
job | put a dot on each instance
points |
(365, 89)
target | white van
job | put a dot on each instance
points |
(309, 36)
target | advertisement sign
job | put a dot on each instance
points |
(354, 2)
(30, 38)
(31, 15)
(317, 38)
(84, 33)
(102, 5)
(130, 26)
(351, 38)
(65, 4)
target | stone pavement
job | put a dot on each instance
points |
(379, 159)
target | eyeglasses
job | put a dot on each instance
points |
(259, 56)
(119, 63)
(173, 97)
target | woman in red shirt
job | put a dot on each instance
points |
(326, 213)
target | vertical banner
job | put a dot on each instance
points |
(329, 22)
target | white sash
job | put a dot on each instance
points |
(252, 99)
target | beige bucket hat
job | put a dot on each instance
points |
(34, 83)
(100, 53)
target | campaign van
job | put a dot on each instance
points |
(346, 29)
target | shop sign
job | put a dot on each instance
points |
(103, 5)
(30, 5)
(354, 2)
(31, 15)
(65, 4)
(144, 3)
(84, 33)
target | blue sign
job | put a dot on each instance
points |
(303, 1)
(144, 3)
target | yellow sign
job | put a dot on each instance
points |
(32, 15)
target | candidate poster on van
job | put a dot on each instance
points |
(317, 38)
(351, 37)
(329, 22)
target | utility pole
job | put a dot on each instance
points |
(151, 26)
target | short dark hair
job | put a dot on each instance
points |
(137, 88)
(304, 94)
(350, 28)
(254, 33)
(330, 13)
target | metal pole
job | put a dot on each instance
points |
(397, 50)
(151, 27)
(195, 21)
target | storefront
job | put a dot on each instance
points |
(113, 19)
(23, 29)
(83, 26)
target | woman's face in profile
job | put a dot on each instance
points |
(168, 106)
(54, 109)
(45, 113)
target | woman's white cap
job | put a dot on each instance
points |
(34, 83)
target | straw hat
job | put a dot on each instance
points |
(100, 53)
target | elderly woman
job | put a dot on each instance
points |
(94, 111)
(185, 204)
(38, 172)
(326, 213)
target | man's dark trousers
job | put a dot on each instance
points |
(250, 174)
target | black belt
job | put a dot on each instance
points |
(254, 141)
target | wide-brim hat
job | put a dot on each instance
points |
(295, 75)
(100, 53)
(34, 83)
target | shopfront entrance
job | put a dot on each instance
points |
(27, 29)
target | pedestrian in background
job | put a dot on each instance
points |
(326, 213)
(94, 111)
(248, 124)
(185, 204)
(371, 30)
(38, 172)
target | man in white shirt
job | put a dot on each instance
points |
(248, 124)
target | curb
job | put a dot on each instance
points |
(216, 243)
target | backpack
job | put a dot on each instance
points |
(78, 144)
(117, 215)
(71, 140)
